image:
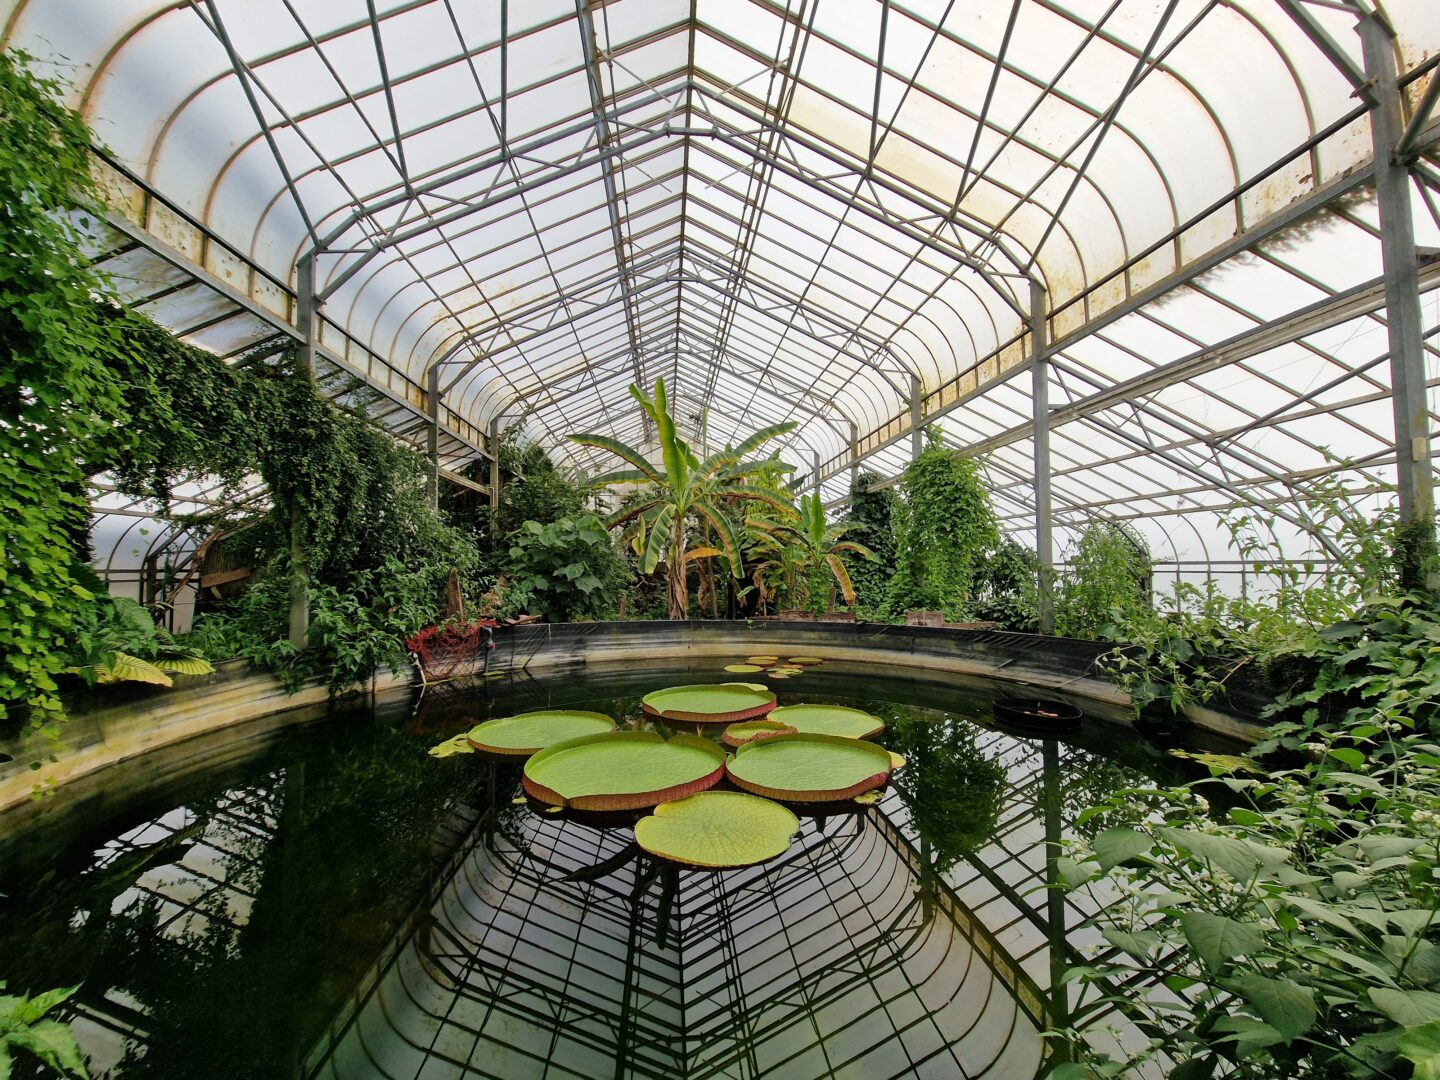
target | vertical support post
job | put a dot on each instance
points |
(1040, 404)
(305, 310)
(1054, 893)
(917, 435)
(299, 563)
(1415, 542)
(854, 456)
(815, 472)
(432, 435)
(494, 476)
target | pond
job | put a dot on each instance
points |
(336, 902)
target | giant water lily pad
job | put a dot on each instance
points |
(623, 770)
(746, 730)
(830, 720)
(715, 703)
(742, 668)
(809, 768)
(718, 829)
(525, 733)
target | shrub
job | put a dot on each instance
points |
(564, 571)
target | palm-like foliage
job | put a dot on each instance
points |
(684, 487)
(816, 546)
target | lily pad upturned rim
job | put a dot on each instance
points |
(763, 728)
(748, 703)
(831, 720)
(482, 735)
(626, 793)
(718, 830)
(832, 745)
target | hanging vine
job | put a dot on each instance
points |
(944, 529)
(56, 392)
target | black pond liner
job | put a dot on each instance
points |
(1038, 715)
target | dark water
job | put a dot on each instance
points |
(335, 902)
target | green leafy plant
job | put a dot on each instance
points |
(1108, 580)
(57, 393)
(816, 556)
(871, 524)
(1294, 936)
(116, 640)
(943, 530)
(23, 1027)
(684, 486)
(564, 571)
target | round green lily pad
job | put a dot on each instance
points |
(523, 734)
(718, 829)
(809, 768)
(623, 770)
(778, 675)
(830, 720)
(721, 703)
(761, 660)
(746, 730)
(806, 660)
(741, 668)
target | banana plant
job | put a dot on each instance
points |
(818, 544)
(682, 487)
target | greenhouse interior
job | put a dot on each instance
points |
(678, 539)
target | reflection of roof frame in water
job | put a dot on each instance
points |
(811, 963)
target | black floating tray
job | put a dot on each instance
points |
(1037, 714)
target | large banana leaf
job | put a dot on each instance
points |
(842, 577)
(625, 513)
(621, 476)
(659, 537)
(733, 454)
(754, 495)
(859, 549)
(672, 448)
(620, 449)
(726, 529)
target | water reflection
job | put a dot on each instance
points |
(341, 904)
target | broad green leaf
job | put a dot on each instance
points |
(1218, 939)
(620, 449)
(659, 539)
(1246, 1035)
(127, 668)
(186, 665)
(528, 732)
(623, 769)
(28, 1010)
(1139, 944)
(1197, 1068)
(1241, 859)
(1118, 846)
(725, 529)
(718, 829)
(53, 1043)
(829, 720)
(1421, 1045)
(724, 701)
(809, 768)
(1408, 1008)
(1286, 1006)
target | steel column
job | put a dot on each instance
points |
(494, 476)
(299, 561)
(854, 456)
(1409, 399)
(917, 434)
(432, 436)
(1044, 510)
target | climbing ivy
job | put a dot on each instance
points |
(56, 392)
(943, 532)
(872, 524)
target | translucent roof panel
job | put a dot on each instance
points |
(792, 211)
